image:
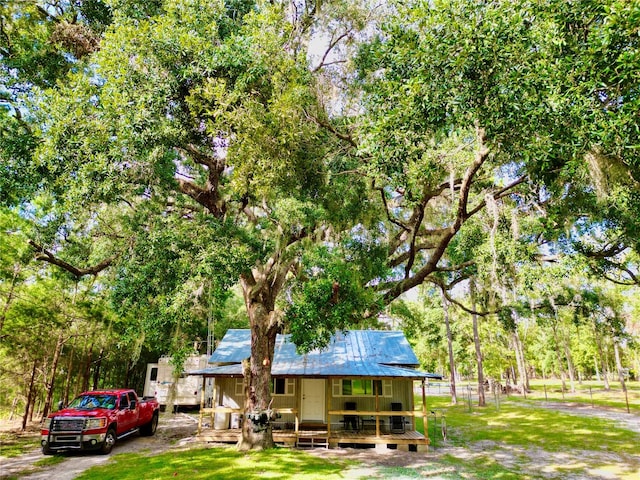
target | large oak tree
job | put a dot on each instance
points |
(217, 121)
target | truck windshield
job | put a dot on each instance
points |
(90, 402)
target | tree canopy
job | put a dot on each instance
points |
(325, 156)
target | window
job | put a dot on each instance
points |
(154, 374)
(240, 386)
(361, 387)
(284, 386)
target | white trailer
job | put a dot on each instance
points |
(185, 391)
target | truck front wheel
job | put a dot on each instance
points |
(46, 450)
(149, 428)
(109, 441)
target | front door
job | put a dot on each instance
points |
(313, 400)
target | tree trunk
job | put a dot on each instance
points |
(452, 367)
(616, 350)
(559, 357)
(96, 371)
(476, 341)
(86, 374)
(52, 373)
(30, 395)
(67, 382)
(520, 361)
(257, 433)
(603, 363)
(570, 367)
(10, 296)
(127, 374)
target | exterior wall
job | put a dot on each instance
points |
(230, 395)
(401, 392)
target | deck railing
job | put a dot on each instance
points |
(220, 409)
(377, 415)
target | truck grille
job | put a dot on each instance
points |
(67, 424)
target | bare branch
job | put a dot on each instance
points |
(386, 208)
(497, 195)
(620, 282)
(331, 46)
(46, 14)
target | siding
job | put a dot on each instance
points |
(402, 392)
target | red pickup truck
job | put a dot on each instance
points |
(96, 420)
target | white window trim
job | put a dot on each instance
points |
(387, 389)
(239, 386)
(289, 388)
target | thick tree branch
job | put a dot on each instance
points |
(45, 255)
(209, 195)
(199, 157)
(462, 215)
(445, 291)
(465, 188)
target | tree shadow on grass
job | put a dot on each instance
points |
(218, 463)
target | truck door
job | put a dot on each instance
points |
(126, 417)
(134, 408)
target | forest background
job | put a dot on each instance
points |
(464, 171)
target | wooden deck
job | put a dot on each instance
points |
(322, 438)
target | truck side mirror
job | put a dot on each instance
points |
(60, 405)
(132, 405)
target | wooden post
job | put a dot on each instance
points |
(328, 406)
(204, 386)
(214, 401)
(425, 421)
(377, 409)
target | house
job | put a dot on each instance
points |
(359, 390)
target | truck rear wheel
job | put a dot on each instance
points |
(109, 441)
(149, 428)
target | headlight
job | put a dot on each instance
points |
(93, 423)
(46, 423)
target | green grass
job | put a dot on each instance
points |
(531, 426)
(526, 427)
(49, 461)
(589, 393)
(517, 427)
(484, 467)
(218, 463)
(12, 445)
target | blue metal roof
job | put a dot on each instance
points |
(357, 353)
